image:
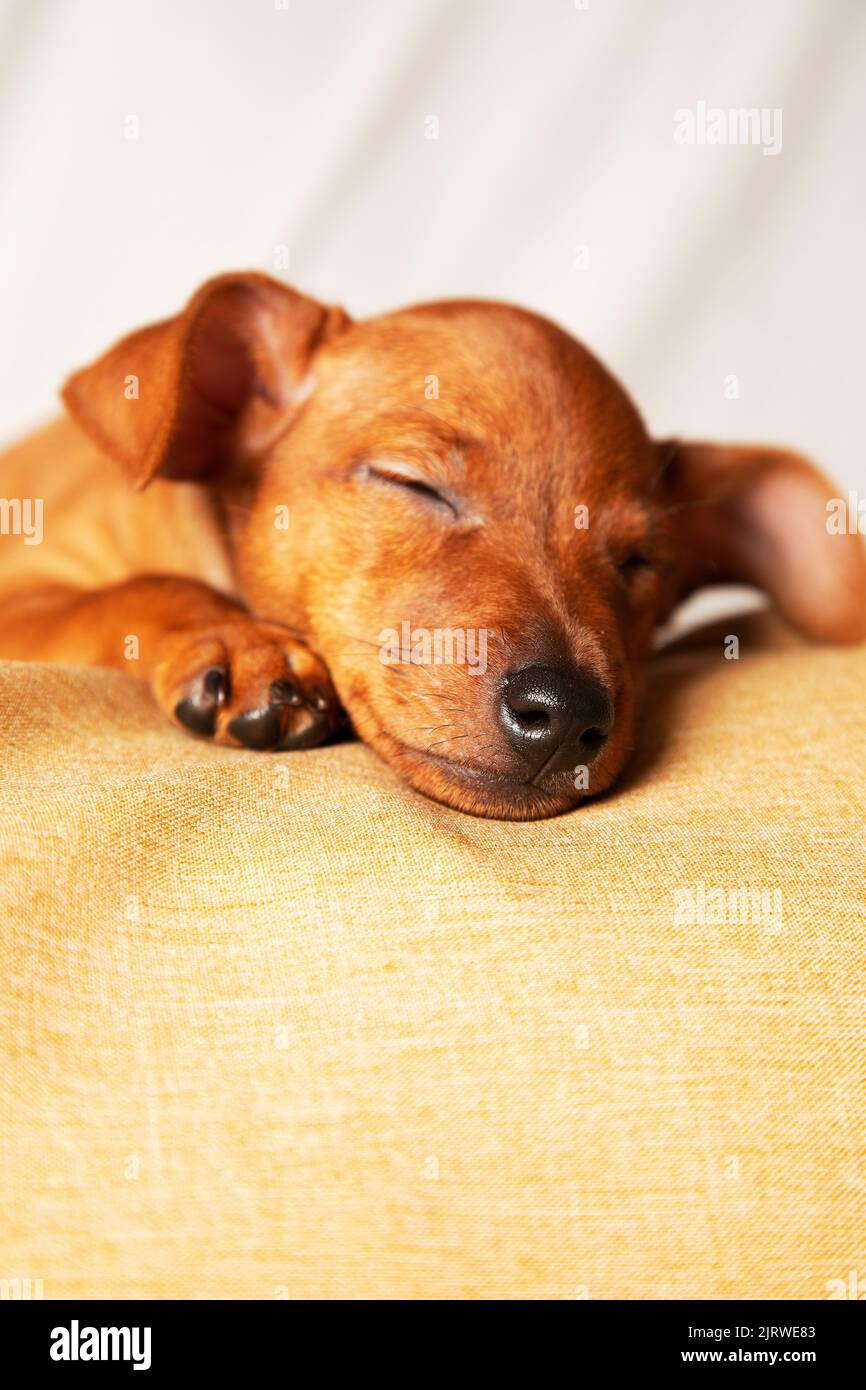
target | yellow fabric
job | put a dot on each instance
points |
(278, 1026)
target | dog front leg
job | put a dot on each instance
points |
(214, 669)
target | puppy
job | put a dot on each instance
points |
(449, 522)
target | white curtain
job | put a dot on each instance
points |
(145, 146)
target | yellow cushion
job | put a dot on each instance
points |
(277, 1026)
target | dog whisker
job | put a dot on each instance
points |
(452, 738)
(428, 728)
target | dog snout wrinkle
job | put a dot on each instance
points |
(555, 718)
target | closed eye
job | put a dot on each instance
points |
(634, 564)
(422, 489)
(411, 482)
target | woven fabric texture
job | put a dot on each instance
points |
(275, 1026)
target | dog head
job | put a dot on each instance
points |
(460, 509)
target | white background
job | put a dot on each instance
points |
(305, 126)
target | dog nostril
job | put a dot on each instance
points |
(527, 717)
(532, 719)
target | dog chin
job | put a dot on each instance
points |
(477, 793)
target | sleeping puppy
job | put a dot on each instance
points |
(448, 522)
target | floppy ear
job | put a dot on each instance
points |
(196, 394)
(756, 515)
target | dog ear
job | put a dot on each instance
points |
(198, 394)
(760, 516)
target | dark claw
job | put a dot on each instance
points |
(216, 684)
(257, 728)
(285, 693)
(198, 711)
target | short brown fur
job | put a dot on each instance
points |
(257, 406)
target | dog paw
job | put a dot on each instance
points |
(247, 684)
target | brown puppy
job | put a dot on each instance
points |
(450, 521)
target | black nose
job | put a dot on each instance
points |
(556, 718)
